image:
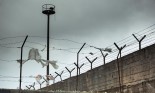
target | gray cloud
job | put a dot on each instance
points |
(77, 18)
(110, 15)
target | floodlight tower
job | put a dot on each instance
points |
(48, 9)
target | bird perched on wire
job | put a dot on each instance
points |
(91, 53)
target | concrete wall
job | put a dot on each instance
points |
(23, 91)
(35, 91)
(136, 70)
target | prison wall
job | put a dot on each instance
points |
(35, 91)
(136, 74)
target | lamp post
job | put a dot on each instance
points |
(48, 9)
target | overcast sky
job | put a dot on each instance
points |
(96, 22)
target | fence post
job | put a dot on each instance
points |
(139, 41)
(91, 62)
(104, 56)
(120, 49)
(60, 75)
(79, 67)
(118, 66)
(70, 71)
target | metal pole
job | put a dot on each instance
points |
(104, 56)
(139, 45)
(70, 71)
(91, 62)
(120, 70)
(78, 66)
(119, 75)
(60, 75)
(48, 9)
(139, 41)
(48, 41)
(20, 80)
(91, 66)
(120, 49)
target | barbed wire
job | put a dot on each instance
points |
(130, 41)
(133, 42)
